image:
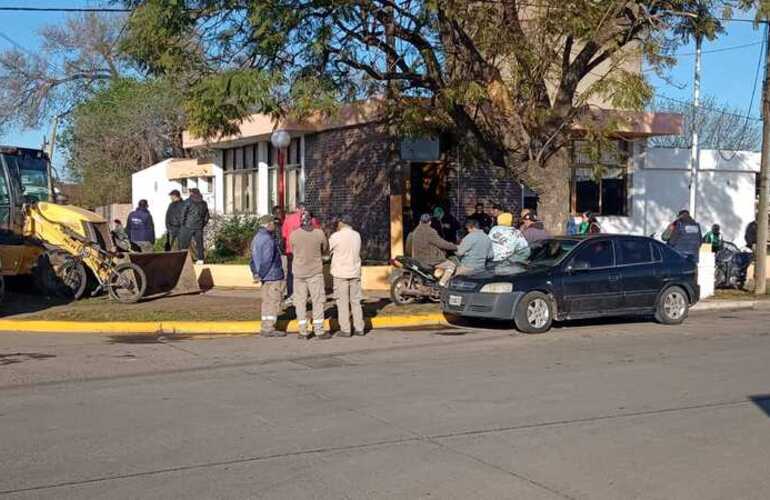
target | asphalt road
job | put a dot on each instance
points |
(617, 410)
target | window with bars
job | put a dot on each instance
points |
(600, 177)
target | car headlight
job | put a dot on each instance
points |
(497, 288)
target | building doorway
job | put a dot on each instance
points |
(428, 185)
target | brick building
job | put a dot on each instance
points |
(341, 165)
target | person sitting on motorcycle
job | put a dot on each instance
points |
(474, 251)
(426, 246)
(509, 246)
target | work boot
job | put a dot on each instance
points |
(344, 334)
(360, 333)
(323, 336)
(273, 333)
(304, 336)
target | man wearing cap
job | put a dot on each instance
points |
(174, 214)
(509, 246)
(309, 245)
(532, 229)
(426, 246)
(684, 235)
(291, 223)
(345, 247)
(266, 266)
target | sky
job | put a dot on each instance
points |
(728, 65)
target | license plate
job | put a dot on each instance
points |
(455, 300)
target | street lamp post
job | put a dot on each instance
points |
(280, 141)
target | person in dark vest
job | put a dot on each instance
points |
(174, 214)
(684, 235)
(141, 228)
(195, 217)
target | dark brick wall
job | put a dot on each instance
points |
(346, 173)
(488, 185)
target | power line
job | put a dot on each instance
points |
(62, 9)
(723, 49)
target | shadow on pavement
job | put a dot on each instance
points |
(763, 402)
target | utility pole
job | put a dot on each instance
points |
(695, 147)
(760, 250)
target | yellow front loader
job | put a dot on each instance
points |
(59, 244)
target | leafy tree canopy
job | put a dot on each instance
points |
(509, 76)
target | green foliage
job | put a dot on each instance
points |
(233, 236)
(123, 128)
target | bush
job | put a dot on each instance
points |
(231, 236)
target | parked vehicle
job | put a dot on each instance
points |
(573, 277)
(732, 264)
(413, 282)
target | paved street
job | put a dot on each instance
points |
(617, 410)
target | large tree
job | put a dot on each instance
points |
(508, 77)
(121, 129)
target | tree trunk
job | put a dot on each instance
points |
(552, 184)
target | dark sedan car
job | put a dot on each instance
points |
(570, 278)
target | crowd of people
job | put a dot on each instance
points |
(185, 222)
(288, 255)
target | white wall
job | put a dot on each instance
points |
(659, 189)
(152, 184)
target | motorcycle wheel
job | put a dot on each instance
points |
(396, 291)
(60, 275)
(127, 283)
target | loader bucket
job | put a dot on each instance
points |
(170, 273)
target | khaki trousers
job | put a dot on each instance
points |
(313, 286)
(272, 298)
(349, 295)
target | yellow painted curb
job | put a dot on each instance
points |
(232, 328)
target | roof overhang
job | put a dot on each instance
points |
(630, 124)
(187, 168)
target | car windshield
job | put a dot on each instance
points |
(550, 252)
(32, 171)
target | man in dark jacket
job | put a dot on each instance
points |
(141, 228)
(751, 234)
(266, 265)
(194, 218)
(174, 214)
(533, 229)
(426, 246)
(484, 221)
(684, 235)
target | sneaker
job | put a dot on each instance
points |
(344, 334)
(360, 333)
(274, 333)
(324, 336)
(304, 336)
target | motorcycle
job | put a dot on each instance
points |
(413, 282)
(731, 266)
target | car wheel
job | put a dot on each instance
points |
(672, 307)
(534, 313)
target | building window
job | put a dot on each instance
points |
(240, 179)
(600, 178)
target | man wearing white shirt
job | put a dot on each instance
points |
(345, 248)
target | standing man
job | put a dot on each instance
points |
(174, 214)
(533, 229)
(345, 247)
(141, 228)
(291, 223)
(195, 217)
(480, 216)
(267, 267)
(684, 235)
(278, 217)
(308, 246)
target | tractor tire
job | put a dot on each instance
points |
(60, 275)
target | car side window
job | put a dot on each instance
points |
(633, 251)
(594, 255)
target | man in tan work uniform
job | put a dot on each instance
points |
(309, 245)
(345, 247)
